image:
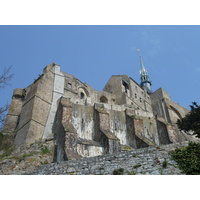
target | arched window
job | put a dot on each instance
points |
(69, 85)
(82, 95)
(103, 99)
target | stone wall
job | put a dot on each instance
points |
(36, 103)
(148, 161)
(14, 112)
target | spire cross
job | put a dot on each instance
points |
(139, 51)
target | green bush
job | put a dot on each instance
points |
(188, 158)
(45, 150)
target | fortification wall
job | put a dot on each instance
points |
(94, 123)
(35, 108)
(149, 161)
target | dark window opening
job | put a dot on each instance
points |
(115, 126)
(69, 85)
(82, 95)
(103, 99)
(82, 125)
(126, 86)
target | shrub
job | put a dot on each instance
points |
(188, 158)
(45, 150)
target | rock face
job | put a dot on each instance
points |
(25, 157)
(83, 122)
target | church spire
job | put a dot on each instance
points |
(145, 82)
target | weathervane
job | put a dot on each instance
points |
(139, 51)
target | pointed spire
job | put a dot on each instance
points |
(141, 62)
(145, 82)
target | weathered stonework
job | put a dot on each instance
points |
(83, 122)
(145, 161)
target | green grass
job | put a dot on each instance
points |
(45, 150)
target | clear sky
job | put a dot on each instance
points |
(95, 53)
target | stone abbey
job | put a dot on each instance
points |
(83, 122)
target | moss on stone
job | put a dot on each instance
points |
(130, 173)
(164, 164)
(118, 171)
(137, 166)
(126, 148)
(6, 145)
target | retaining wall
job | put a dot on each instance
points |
(148, 161)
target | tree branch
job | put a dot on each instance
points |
(5, 77)
(2, 115)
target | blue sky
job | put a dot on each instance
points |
(94, 53)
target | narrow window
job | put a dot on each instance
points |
(82, 125)
(126, 87)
